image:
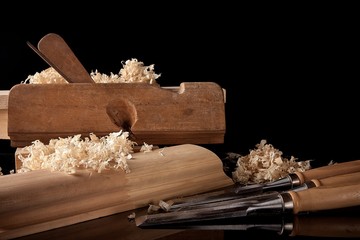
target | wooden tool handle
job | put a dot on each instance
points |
(339, 180)
(326, 226)
(329, 171)
(63, 59)
(325, 198)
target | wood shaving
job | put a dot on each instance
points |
(161, 152)
(161, 207)
(165, 205)
(69, 154)
(49, 75)
(131, 217)
(266, 164)
(153, 209)
(146, 148)
(132, 71)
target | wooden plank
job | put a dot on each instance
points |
(41, 200)
(195, 113)
(4, 94)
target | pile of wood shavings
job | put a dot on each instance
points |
(68, 154)
(49, 75)
(266, 164)
(132, 71)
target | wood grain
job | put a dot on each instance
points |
(329, 171)
(41, 200)
(326, 198)
(194, 113)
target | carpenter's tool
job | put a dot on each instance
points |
(340, 180)
(100, 109)
(201, 201)
(300, 180)
(313, 199)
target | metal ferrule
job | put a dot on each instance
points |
(287, 201)
(290, 181)
(304, 186)
(287, 229)
(295, 180)
(270, 206)
(282, 204)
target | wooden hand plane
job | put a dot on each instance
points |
(192, 113)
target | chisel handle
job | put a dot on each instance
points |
(323, 198)
(329, 171)
(339, 180)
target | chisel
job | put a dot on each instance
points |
(294, 202)
(198, 202)
(293, 180)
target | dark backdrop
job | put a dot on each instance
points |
(294, 86)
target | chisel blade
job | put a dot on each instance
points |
(228, 209)
(274, 223)
(224, 194)
(310, 200)
(224, 199)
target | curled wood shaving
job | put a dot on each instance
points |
(146, 148)
(69, 154)
(49, 75)
(266, 164)
(135, 71)
(132, 71)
